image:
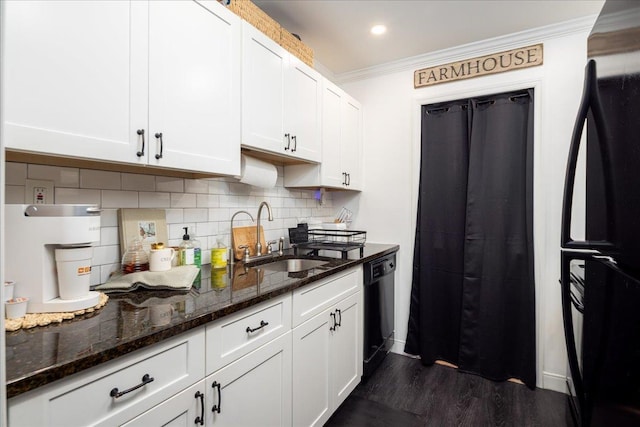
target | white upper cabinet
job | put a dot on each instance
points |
(280, 99)
(351, 143)
(100, 79)
(303, 92)
(194, 86)
(69, 84)
(341, 166)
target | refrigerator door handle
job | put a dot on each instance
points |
(590, 102)
(567, 317)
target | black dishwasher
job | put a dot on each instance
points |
(378, 311)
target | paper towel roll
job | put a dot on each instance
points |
(257, 172)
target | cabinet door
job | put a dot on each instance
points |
(186, 408)
(351, 142)
(303, 91)
(255, 390)
(311, 373)
(194, 87)
(331, 169)
(346, 349)
(263, 67)
(75, 77)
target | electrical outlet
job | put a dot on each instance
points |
(38, 192)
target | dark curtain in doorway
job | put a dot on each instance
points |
(473, 294)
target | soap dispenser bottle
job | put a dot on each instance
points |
(187, 251)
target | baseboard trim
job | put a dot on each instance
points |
(555, 382)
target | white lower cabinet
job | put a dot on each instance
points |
(327, 348)
(109, 395)
(255, 390)
(327, 361)
(186, 408)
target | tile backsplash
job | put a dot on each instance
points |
(203, 205)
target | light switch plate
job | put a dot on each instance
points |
(38, 192)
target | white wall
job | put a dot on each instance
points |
(387, 206)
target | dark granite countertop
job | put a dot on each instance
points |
(38, 356)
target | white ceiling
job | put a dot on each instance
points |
(338, 30)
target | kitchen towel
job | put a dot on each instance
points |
(257, 172)
(178, 278)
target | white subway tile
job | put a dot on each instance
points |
(248, 202)
(259, 193)
(240, 189)
(218, 187)
(207, 200)
(174, 216)
(14, 194)
(196, 215)
(205, 255)
(77, 196)
(15, 173)
(106, 255)
(176, 231)
(103, 180)
(138, 182)
(196, 186)
(295, 213)
(94, 278)
(301, 203)
(276, 202)
(119, 199)
(109, 218)
(107, 270)
(154, 200)
(61, 177)
(224, 227)
(290, 223)
(206, 229)
(183, 200)
(289, 203)
(221, 214)
(109, 236)
(228, 201)
(169, 184)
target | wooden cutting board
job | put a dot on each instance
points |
(247, 236)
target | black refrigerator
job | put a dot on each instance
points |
(600, 271)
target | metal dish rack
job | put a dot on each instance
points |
(334, 240)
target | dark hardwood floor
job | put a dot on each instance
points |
(403, 392)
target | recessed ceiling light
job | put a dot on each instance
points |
(378, 30)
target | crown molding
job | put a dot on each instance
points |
(470, 50)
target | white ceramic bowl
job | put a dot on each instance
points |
(9, 285)
(16, 307)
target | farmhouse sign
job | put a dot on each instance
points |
(514, 59)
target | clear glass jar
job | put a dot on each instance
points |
(135, 258)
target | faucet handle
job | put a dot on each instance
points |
(281, 246)
(246, 252)
(269, 248)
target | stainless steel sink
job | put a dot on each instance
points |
(293, 265)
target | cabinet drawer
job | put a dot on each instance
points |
(316, 297)
(237, 335)
(85, 399)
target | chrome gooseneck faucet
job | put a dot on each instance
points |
(258, 244)
(233, 244)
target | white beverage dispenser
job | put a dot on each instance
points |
(35, 235)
